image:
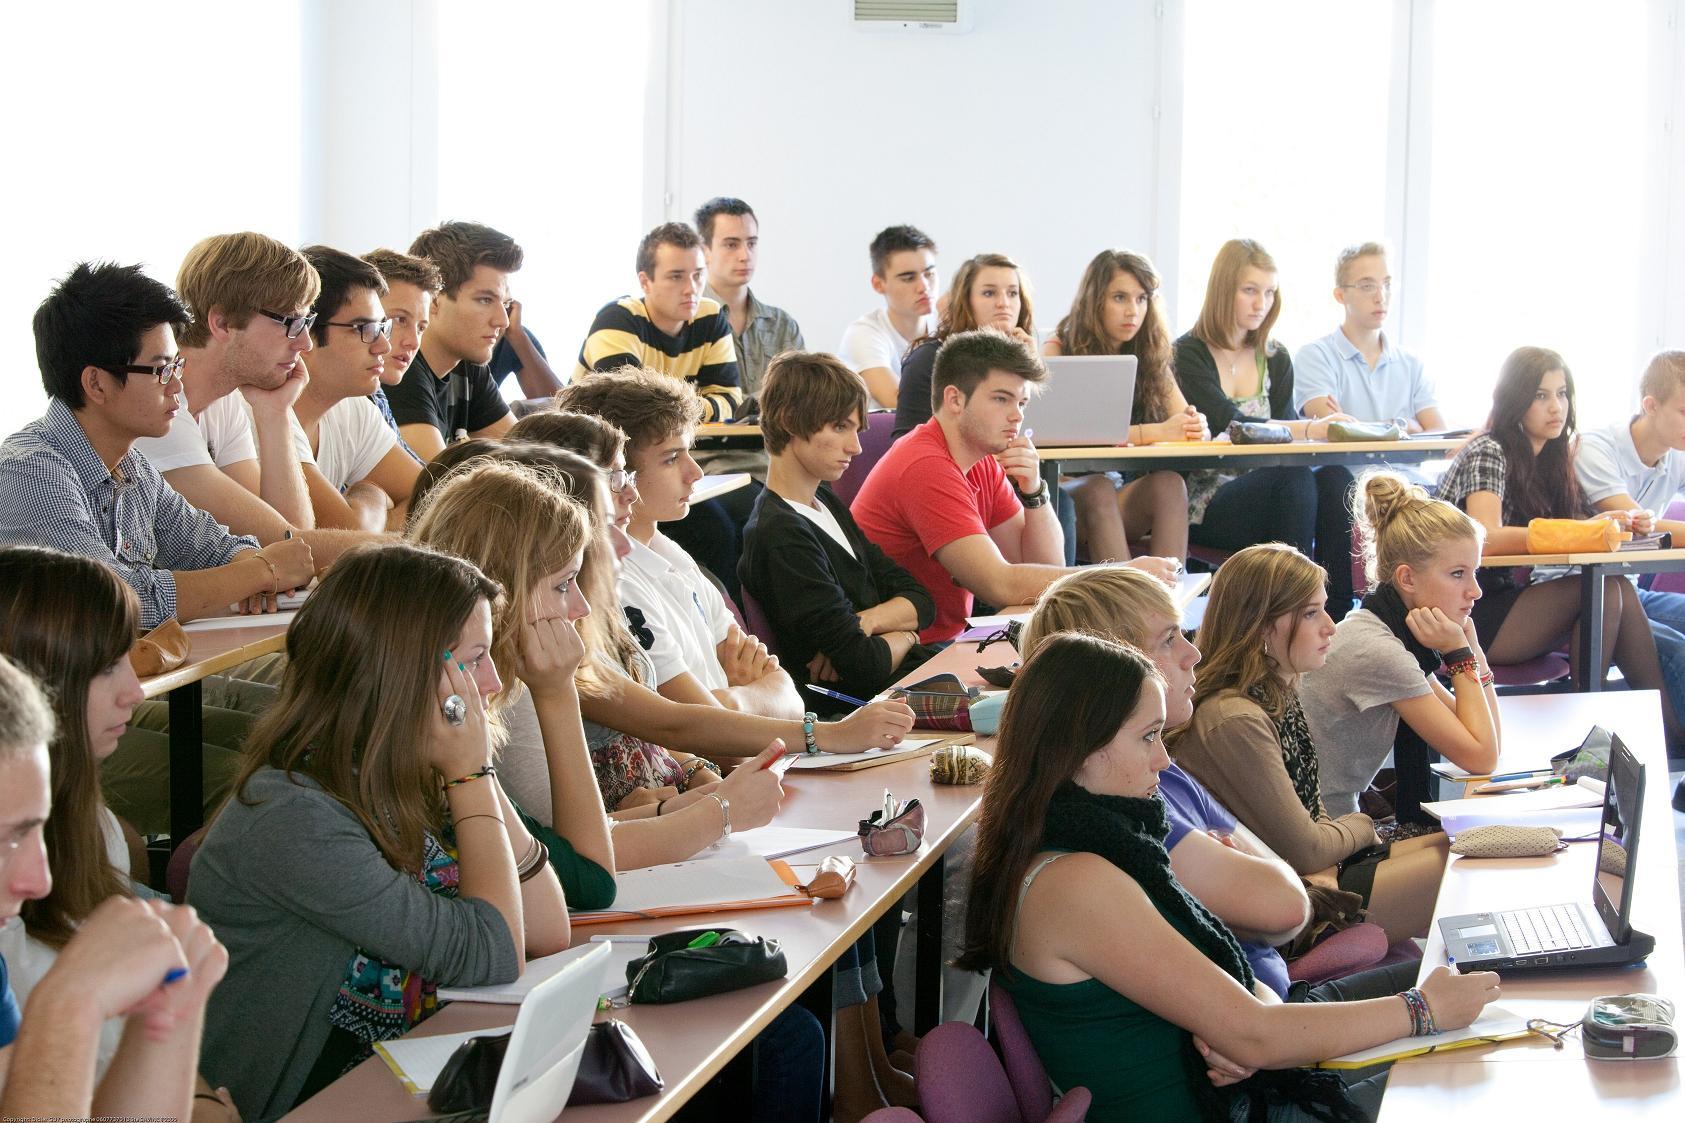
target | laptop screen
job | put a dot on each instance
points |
(1618, 840)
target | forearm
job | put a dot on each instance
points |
(1042, 542)
(680, 831)
(576, 804)
(152, 1079)
(52, 1063)
(485, 862)
(281, 479)
(370, 507)
(210, 592)
(899, 644)
(771, 695)
(544, 907)
(1292, 1034)
(897, 614)
(1505, 540)
(537, 378)
(1476, 713)
(327, 545)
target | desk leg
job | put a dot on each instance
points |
(187, 781)
(1051, 474)
(927, 999)
(1591, 629)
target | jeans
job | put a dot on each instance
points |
(789, 1067)
(1667, 623)
(1307, 508)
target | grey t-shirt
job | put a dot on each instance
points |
(1348, 703)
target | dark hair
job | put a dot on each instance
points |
(1542, 486)
(646, 406)
(66, 619)
(1081, 332)
(406, 269)
(341, 276)
(1073, 695)
(894, 239)
(957, 315)
(95, 317)
(965, 360)
(457, 248)
(803, 392)
(590, 436)
(667, 234)
(713, 208)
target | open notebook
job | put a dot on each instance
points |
(699, 886)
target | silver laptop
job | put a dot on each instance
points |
(548, 1040)
(1575, 934)
(1086, 401)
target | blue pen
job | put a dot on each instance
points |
(1518, 775)
(174, 975)
(838, 695)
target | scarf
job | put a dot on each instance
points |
(1130, 833)
(1298, 751)
(1385, 603)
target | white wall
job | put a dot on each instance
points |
(1033, 135)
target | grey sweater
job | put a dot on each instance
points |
(291, 886)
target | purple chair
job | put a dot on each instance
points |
(894, 1115)
(1671, 582)
(960, 1080)
(1030, 1085)
(755, 621)
(875, 440)
(180, 865)
(1352, 949)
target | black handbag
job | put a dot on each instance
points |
(614, 1068)
(469, 1078)
(675, 971)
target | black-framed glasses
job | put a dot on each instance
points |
(367, 330)
(163, 372)
(294, 326)
(620, 479)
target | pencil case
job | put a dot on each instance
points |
(903, 834)
(1365, 431)
(1499, 840)
(1258, 433)
(941, 702)
(674, 971)
(1574, 536)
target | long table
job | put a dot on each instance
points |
(1185, 456)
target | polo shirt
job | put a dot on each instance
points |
(352, 438)
(872, 341)
(1607, 463)
(220, 434)
(702, 354)
(767, 333)
(1397, 387)
(916, 501)
(674, 611)
(423, 398)
(10, 1016)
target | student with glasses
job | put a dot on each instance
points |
(1355, 368)
(358, 476)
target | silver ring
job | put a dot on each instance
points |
(454, 709)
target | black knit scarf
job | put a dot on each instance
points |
(1130, 833)
(1390, 607)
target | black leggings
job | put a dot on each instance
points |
(1307, 508)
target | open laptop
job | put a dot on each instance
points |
(1086, 401)
(548, 1041)
(1576, 934)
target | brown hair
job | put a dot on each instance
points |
(1083, 332)
(66, 620)
(1351, 254)
(1400, 524)
(407, 269)
(1113, 601)
(804, 391)
(892, 240)
(1252, 590)
(458, 248)
(966, 359)
(675, 234)
(648, 407)
(957, 315)
(591, 437)
(1663, 377)
(1216, 322)
(240, 274)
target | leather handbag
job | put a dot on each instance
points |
(162, 649)
(1258, 433)
(469, 1078)
(901, 835)
(1365, 431)
(615, 1067)
(676, 969)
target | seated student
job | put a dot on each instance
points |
(845, 616)
(959, 502)
(904, 274)
(147, 964)
(1422, 558)
(411, 285)
(1127, 985)
(345, 883)
(731, 245)
(1266, 625)
(359, 478)
(1356, 369)
(1520, 469)
(1231, 370)
(74, 481)
(1117, 311)
(448, 390)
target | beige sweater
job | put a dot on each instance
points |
(1230, 746)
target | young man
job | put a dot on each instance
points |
(959, 502)
(904, 274)
(448, 389)
(105, 339)
(1355, 370)
(521, 354)
(148, 962)
(412, 283)
(846, 617)
(731, 242)
(359, 478)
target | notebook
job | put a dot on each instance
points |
(699, 886)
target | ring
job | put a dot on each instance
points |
(454, 709)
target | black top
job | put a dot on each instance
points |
(810, 589)
(912, 404)
(1196, 373)
(505, 362)
(423, 398)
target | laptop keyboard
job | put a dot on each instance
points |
(1551, 928)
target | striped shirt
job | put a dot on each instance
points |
(56, 492)
(702, 353)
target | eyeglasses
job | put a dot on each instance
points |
(294, 326)
(1370, 288)
(163, 372)
(621, 480)
(367, 330)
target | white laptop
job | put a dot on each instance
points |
(548, 1040)
(1086, 400)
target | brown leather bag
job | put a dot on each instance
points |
(162, 649)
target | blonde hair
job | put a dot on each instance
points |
(1109, 601)
(1216, 322)
(1663, 377)
(241, 274)
(26, 721)
(1399, 524)
(1351, 254)
(1252, 590)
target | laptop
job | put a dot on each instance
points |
(548, 1041)
(1087, 400)
(1575, 934)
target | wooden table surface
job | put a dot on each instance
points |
(215, 651)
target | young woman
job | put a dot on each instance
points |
(1117, 312)
(1422, 561)
(368, 854)
(1127, 985)
(1520, 469)
(1230, 369)
(1266, 624)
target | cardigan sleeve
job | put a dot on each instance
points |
(1280, 364)
(1196, 373)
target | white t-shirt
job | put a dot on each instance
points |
(352, 438)
(676, 613)
(221, 435)
(820, 516)
(872, 341)
(1608, 463)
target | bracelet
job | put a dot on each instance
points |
(1469, 666)
(488, 770)
(691, 768)
(1485, 678)
(478, 815)
(1421, 1017)
(207, 1096)
(807, 733)
(1456, 655)
(274, 578)
(725, 814)
(659, 804)
(528, 867)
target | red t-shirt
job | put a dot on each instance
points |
(916, 501)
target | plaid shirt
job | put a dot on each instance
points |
(767, 333)
(1478, 467)
(56, 492)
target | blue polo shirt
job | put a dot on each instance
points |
(1397, 387)
(10, 1015)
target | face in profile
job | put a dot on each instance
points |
(1446, 581)
(113, 695)
(1299, 640)
(827, 453)
(909, 282)
(469, 324)
(25, 800)
(345, 363)
(260, 355)
(1129, 764)
(736, 246)
(411, 311)
(140, 404)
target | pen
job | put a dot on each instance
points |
(775, 758)
(837, 694)
(706, 940)
(1518, 775)
(174, 975)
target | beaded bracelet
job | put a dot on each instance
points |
(1421, 1017)
(488, 770)
(691, 768)
(1466, 666)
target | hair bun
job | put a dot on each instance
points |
(1385, 495)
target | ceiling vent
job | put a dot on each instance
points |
(939, 17)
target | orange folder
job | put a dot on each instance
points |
(785, 874)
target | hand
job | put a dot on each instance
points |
(1168, 570)
(1637, 520)
(1326, 419)
(1194, 425)
(744, 658)
(1432, 628)
(207, 963)
(880, 725)
(293, 562)
(1019, 335)
(1021, 463)
(456, 750)
(1456, 1000)
(547, 654)
(276, 402)
(1472, 640)
(1219, 1069)
(118, 958)
(820, 669)
(754, 790)
(514, 327)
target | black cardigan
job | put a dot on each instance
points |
(918, 369)
(810, 589)
(1196, 372)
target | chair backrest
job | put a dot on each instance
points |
(894, 1115)
(875, 440)
(1353, 949)
(960, 1080)
(755, 621)
(1671, 582)
(1030, 1085)
(181, 861)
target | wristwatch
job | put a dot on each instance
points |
(725, 815)
(1033, 500)
(807, 732)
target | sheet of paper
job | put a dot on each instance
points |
(417, 1061)
(805, 762)
(538, 970)
(696, 882)
(994, 622)
(775, 842)
(1494, 1021)
(256, 620)
(1586, 793)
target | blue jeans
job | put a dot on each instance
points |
(1667, 623)
(789, 1068)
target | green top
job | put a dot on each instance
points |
(585, 884)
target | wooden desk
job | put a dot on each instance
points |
(712, 487)
(730, 434)
(208, 653)
(1188, 456)
(1593, 569)
(1530, 1078)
